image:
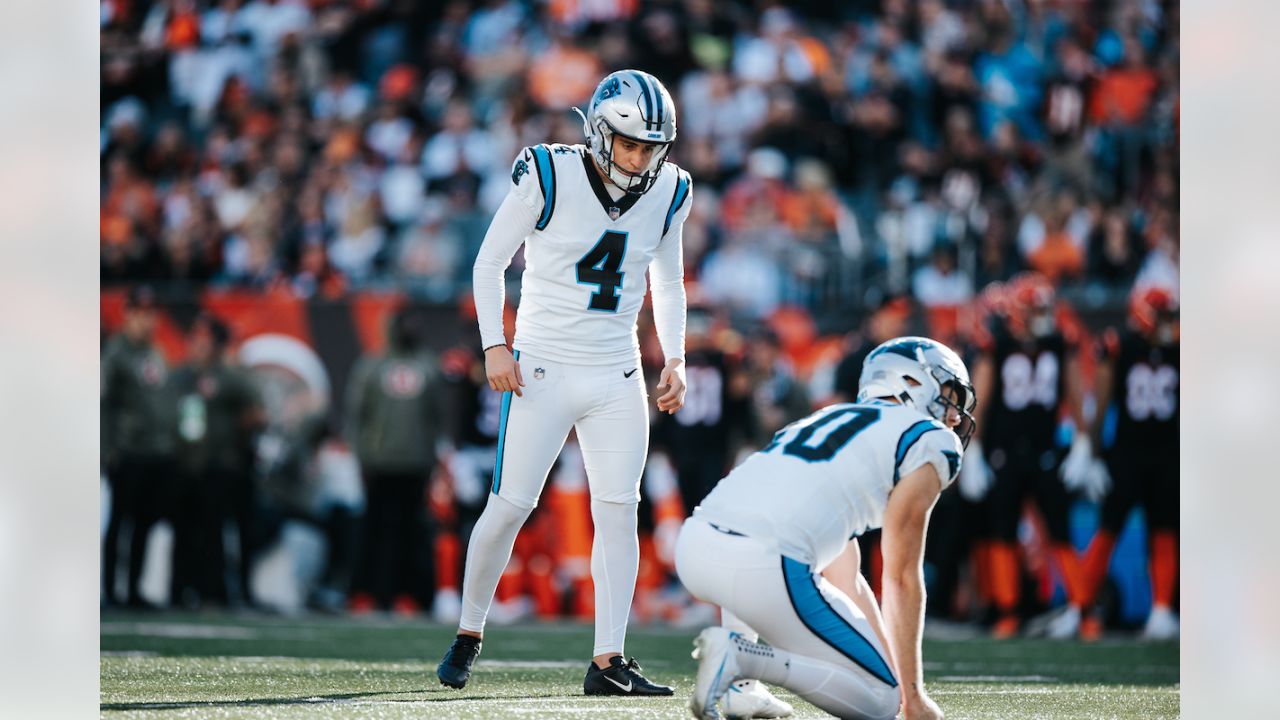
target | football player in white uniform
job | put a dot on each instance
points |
(758, 543)
(592, 219)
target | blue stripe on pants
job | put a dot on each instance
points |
(823, 620)
(502, 436)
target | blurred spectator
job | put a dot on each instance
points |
(563, 75)
(940, 284)
(1113, 257)
(395, 413)
(138, 443)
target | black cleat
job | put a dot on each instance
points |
(455, 669)
(620, 679)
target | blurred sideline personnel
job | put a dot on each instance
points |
(757, 546)
(594, 219)
(1137, 430)
(1024, 375)
(219, 414)
(138, 443)
(395, 413)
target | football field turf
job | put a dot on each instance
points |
(242, 666)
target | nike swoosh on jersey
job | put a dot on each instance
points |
(629, 374)
(624, 688)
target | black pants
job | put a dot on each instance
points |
(396, 555)
(1146, 476)
(140, 488)
(697, 472)
(1021, 475)
(201, 510)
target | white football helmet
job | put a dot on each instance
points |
(635, 105)
(932, 366)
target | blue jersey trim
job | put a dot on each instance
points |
(502, 436)
(677, 200)
(830, 627)
(546, 181)
(909, 438)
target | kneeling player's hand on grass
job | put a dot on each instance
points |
(921, 707)
(671, 387)
(502, 370)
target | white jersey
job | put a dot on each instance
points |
(586, 258)
(826, 479)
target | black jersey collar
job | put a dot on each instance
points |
(614, 208)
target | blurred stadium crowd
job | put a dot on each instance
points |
(862, 167)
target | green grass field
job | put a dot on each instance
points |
(235, 666)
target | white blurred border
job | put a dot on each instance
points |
(49, 338)
(49, 480)
(1231, 363)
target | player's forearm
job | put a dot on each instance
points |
(511, 224)
(670, 309)
(670, 305)
(904, 624)
(865, 599)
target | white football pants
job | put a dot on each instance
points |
(608, 408)
(832, 656)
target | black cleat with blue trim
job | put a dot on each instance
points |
(621, 678)
(455, 669)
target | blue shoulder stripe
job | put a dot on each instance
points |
(909, 438)
(677, 200)
(546, 181)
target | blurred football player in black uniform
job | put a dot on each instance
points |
(1137, 431)
(1023, 377)
(698, 439)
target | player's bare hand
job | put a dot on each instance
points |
(921, 707)
(671, 387)
(502, 370)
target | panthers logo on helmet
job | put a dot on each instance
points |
(609, 89)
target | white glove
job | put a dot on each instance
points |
(1078, 465)
(975, 475)
(1098, 481)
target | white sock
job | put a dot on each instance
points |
(487, 556)
(838, 690)
(615, 560)
(733, 623)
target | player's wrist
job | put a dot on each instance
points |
(498, 346)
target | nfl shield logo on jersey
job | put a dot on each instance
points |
(539, 373)
(614, 212)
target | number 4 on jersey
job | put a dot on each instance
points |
(600, 267)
